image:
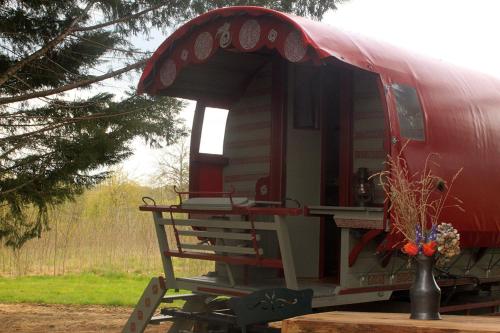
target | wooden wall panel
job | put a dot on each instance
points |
(247, 140)
(368, 128)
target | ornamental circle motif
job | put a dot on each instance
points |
(203, 45)
(184, 54)
(249, 34)
(295, 50)
(168, 72)
(272, 35)
(224, 35)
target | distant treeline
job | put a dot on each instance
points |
(101, 231)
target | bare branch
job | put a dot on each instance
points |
(119, 20)
(70, 86)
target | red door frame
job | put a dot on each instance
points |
(205, 170)
(345, 149)
(277, 168)
(345, 154)
(199, 114)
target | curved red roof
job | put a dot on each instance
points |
(326, 41)
(461, 107)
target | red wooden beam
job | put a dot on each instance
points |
(281, 211)
(365, 239)
(235, 260)
(345, 179)
(469, 306)
(278, 130)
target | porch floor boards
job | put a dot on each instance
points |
(357, 322)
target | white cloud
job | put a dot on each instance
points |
(458, 31)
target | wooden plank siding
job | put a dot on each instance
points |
(368, 128)
(247, 140)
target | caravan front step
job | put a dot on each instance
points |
(146, 307)
(172, 298)
(156, 320)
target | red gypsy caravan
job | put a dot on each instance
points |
(287, 211)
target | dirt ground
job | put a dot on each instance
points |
(30, 318)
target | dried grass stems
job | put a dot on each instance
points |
(416, 200)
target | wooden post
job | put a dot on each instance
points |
(286, 252)
(168, 268)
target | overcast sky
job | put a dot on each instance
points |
(458, 31)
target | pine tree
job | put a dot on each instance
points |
(57, 130)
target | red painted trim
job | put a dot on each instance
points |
(209, 158)
(217, 291)
(356, 251)
(350, 291)
(404, 286)
(277, 170)
(234, 260)
(281, 211)
(345, 179)
(163, 285)
(387, 133)
(199, 114)
(323, 133)
(469, 306)
(244, 177)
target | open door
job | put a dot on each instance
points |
(206, 155)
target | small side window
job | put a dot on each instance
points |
(410, 115)
(212, 132)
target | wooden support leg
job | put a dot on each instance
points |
(168, 268)
(286, 252)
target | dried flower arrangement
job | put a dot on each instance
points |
(416, 202)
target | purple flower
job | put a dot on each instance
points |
(432, 234)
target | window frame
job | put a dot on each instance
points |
(423, 118)
(202, 123)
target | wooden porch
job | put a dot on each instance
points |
(357, 322)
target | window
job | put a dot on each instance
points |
(410, 115)
(212, 132)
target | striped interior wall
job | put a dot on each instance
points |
(368, 128)
(247, 140)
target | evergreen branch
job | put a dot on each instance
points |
(23, 163)
(42, 51)
(101, 115)
(70, 86)
(18, 187)
(119, 20)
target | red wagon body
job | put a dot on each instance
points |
(312, 112)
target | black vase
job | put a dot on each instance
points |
(425, 294)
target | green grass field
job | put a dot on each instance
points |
(87, 288)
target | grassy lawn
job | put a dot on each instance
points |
(106, 289)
